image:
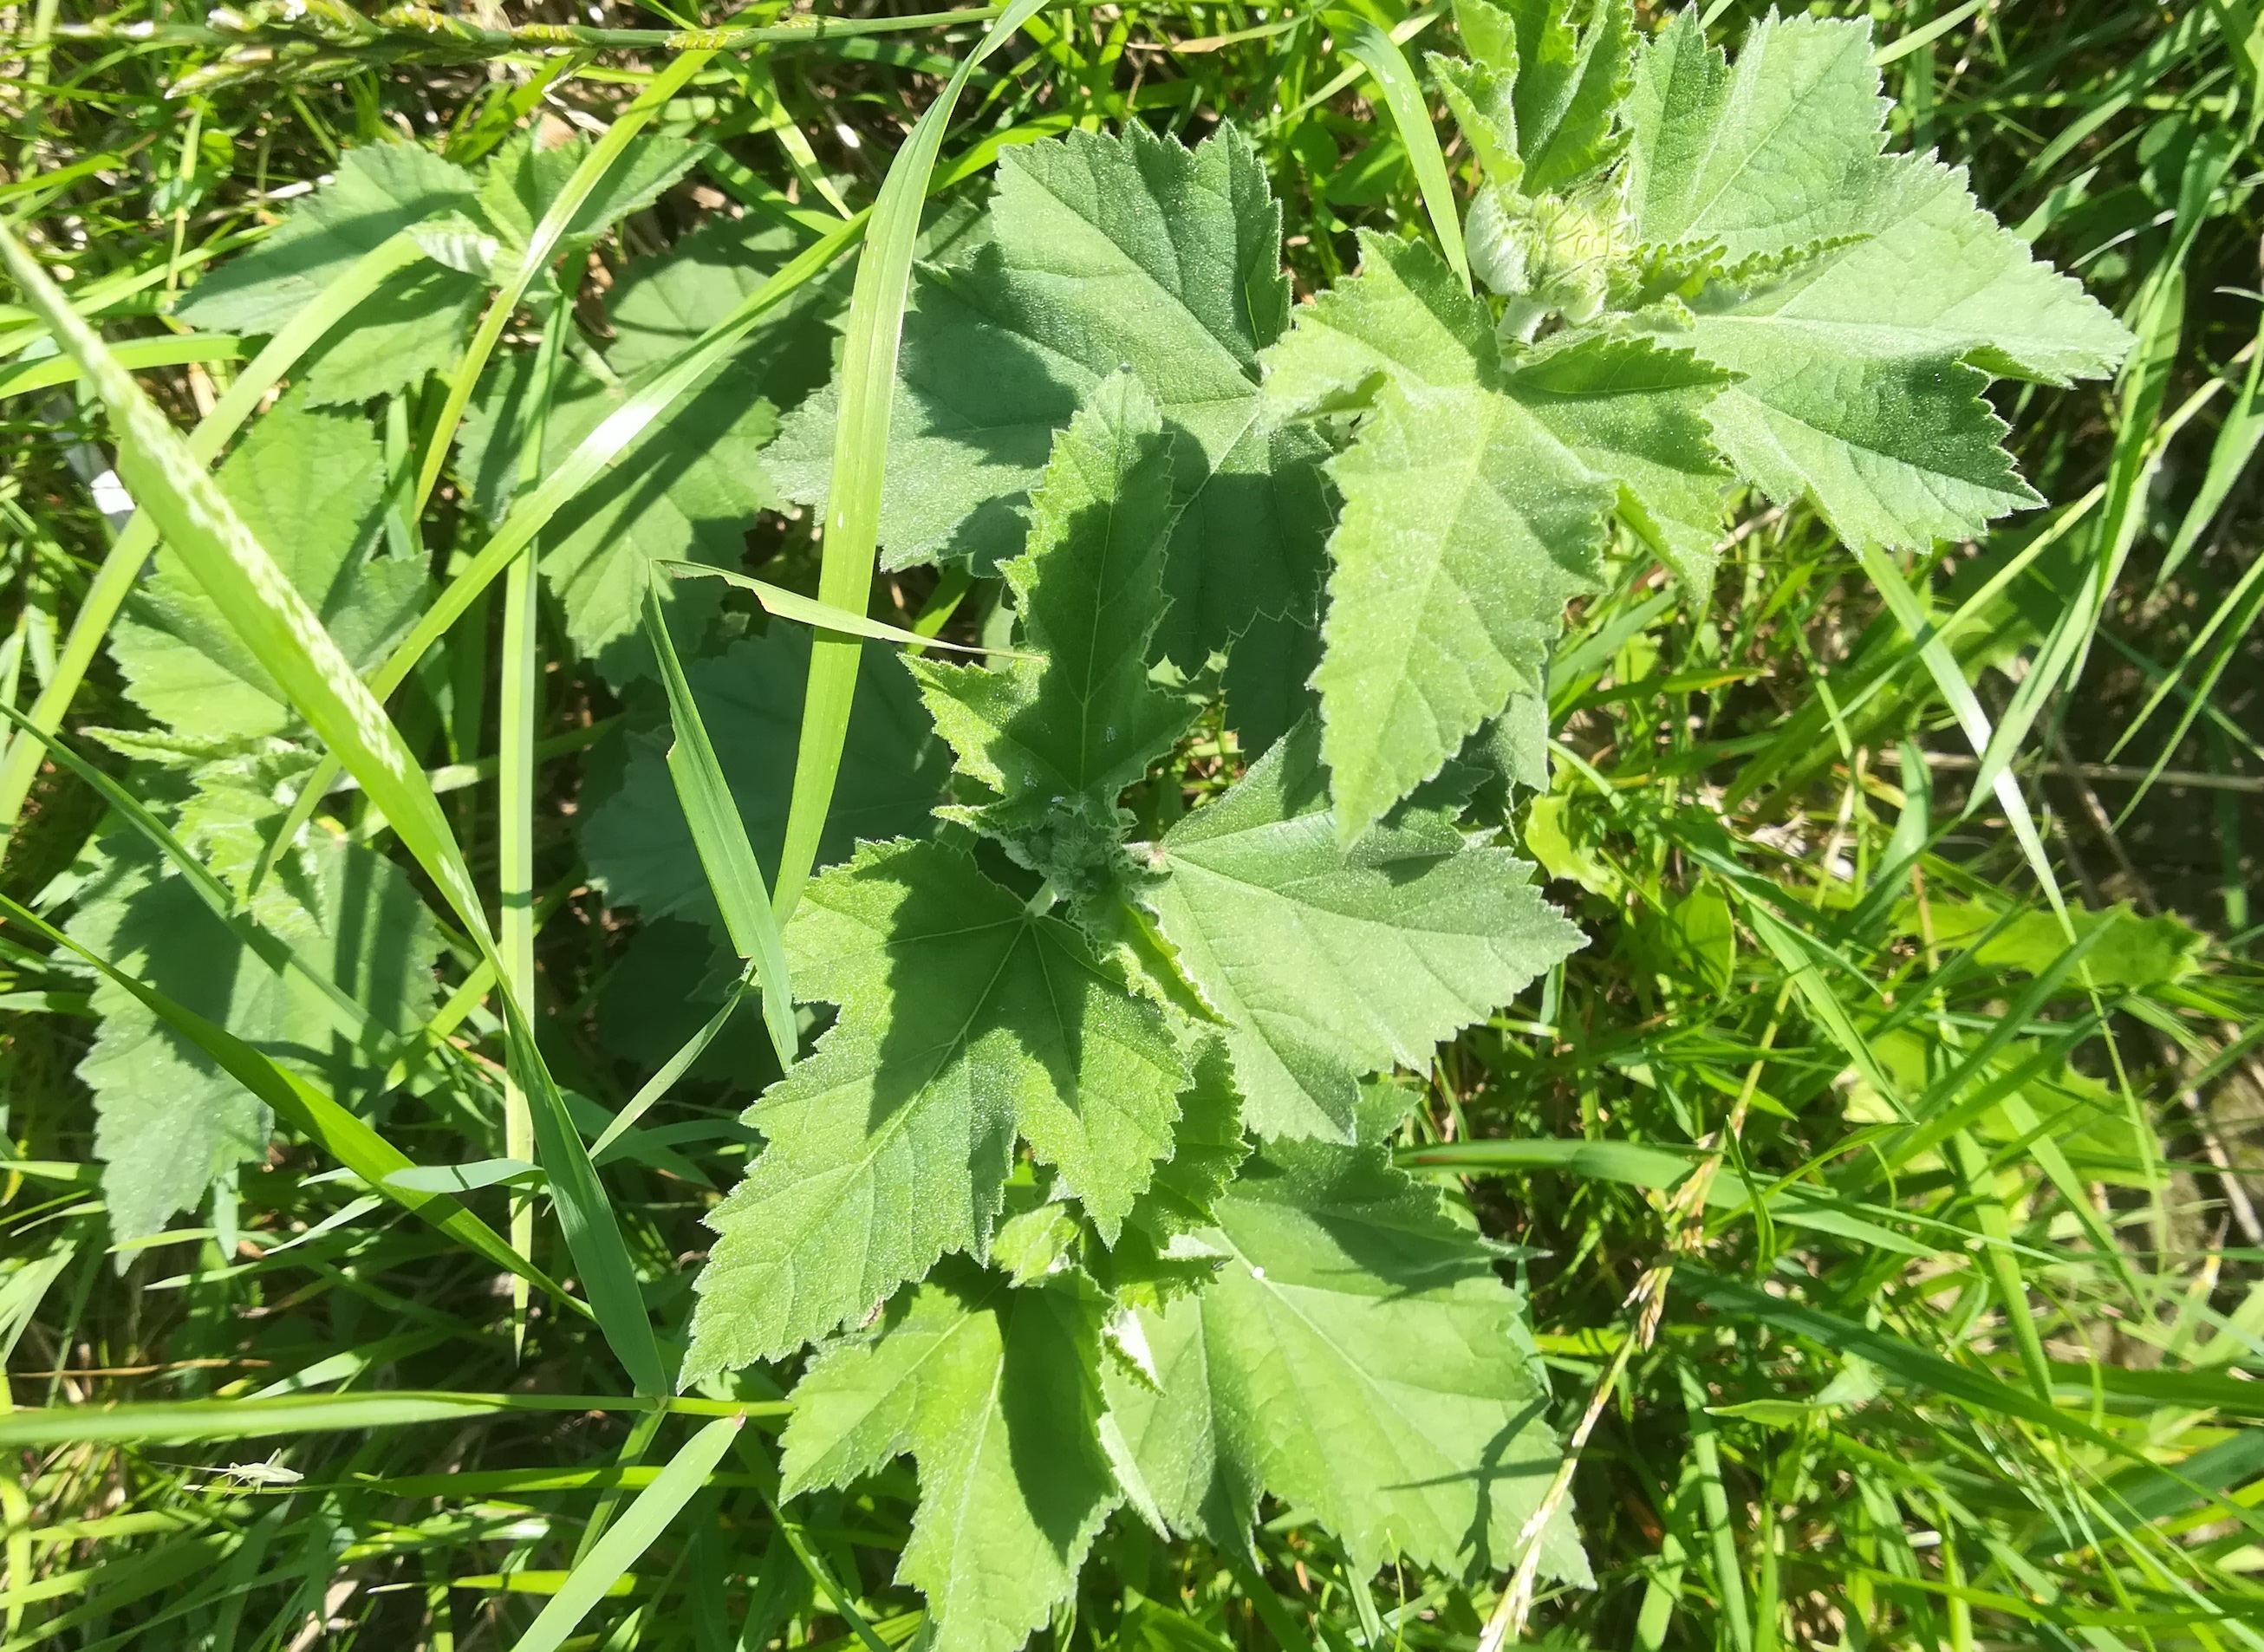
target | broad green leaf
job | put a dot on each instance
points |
(1124, 253)
(307, 483)
(634, 834)
(1357, 1359)
(663, 305)
(1476, 498)
(687, 489)
(413, 325)
(1329, 962)
(965, 1018)
(168, 1119)
(1061, 738)
(994, 1392)
(2135, 953)
(1159, 1256)
(379, 189)
(314, 1114)
(1879, 298)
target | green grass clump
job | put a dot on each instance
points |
(1877, 1180)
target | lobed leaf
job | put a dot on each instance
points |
(1357, 1359)
(965, 1018)
(1328, 962)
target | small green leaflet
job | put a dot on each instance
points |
(1357, 1359)
(1476, 498)
(307, 483)
(1890, 297)
(996, 1394)
(1060, 740)
(1329, 963)
(750, 696)
(965, 1019)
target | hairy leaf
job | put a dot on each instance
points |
(1063, 736)
(1881, 300)
(996, 1394)
(1329, 962)
(1476, 498)
(379, 190)
(964, 1018)
(1357, 1359)
(1126, 252)
(168, 1121)
(685, 490)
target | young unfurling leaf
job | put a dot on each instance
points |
(1060, 739)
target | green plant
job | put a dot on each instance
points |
(1107, 1183)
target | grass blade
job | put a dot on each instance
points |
(726, 854)
(318, 1413)
(1380, 55)
(610, 1557)
(269, 615)
(533, 514)
(1629, 1162)
(122, 568)
(823, 616)
(860, 447)
(541, 246)
(284, 634)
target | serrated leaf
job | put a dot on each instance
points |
(168, 1119)
(1864, 359)
(633, 833)
(1066, 735)
(1160, 1256)
(309, 484)
(1107, 252)
(964, 1018)
(994, 1392)
(1358, 1358)
(663, 304)
(525, 178)
(1483, 101)
(1329, 962)
(379, 190)
(1476, 498)
(685, 490)
(414, 324)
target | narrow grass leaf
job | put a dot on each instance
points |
(529, 516)
(720, 835)
(823, 616)
(121, 568)
(540, 247)
(1628, 1162)
(1380, 55)
(853, 526)
(610, 1559)
(268, 612)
